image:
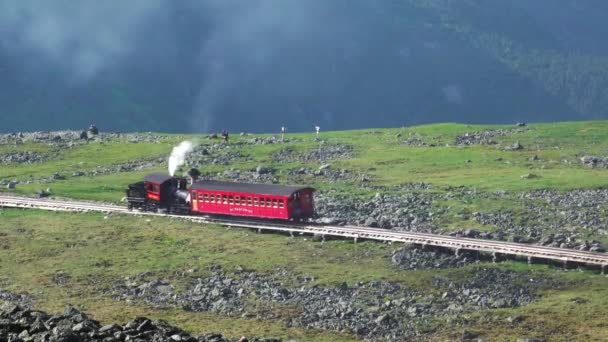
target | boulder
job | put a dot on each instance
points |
(262, 170)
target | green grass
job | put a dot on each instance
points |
(95, 251)
(377, 153)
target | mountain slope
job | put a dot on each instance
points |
(256, 65)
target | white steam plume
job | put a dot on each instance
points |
(178, 155)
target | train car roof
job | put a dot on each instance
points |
(157, 178)
(262, 189)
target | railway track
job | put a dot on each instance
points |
(495, 248)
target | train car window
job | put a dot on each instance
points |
(230, 200)
(224, 199)
(274, 203)
(200, 196)
(281, 204)
(156, 188)
(237, 200)
(268, 204)
(296, 195)
(248, 200)
(149, 187)
(206, 197)
(255, 202)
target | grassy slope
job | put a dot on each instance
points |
(378, 152)
(94, 251)
(43, 243)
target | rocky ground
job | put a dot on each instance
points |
(70, 138)
(411, 211)
(372, 310)
(326, 152)
(22, 324)
(413, 139)
(61, 140)
(23, 157)
(560, 219)
(594, 161)
(487, 137)
(409, 258)
(97, 171)
(15, 298)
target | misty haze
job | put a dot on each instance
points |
(254, 65)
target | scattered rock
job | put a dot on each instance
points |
(593, 161)
(360, 307)
(485, 137)
(24, 157)
(325, 152)
(407, 212)
(409, 258)
(263, 170)
(21, 324)
(57, 176)
(515, 147)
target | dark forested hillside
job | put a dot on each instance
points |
(255, 65)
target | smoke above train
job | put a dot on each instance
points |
(178, 155)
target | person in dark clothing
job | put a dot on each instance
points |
(225, 136)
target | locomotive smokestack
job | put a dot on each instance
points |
(193, 174)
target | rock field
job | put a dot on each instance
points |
(560, 219)
(69, 138)
(408, 258)
(360, 308)
(23, 157)
(325, 153)
(22, 324)
(486, 137)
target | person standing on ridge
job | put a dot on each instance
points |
(283, 130)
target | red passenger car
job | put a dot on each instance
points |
(255, 200)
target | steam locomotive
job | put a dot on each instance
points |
(176, 195)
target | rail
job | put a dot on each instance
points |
(496, 248)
